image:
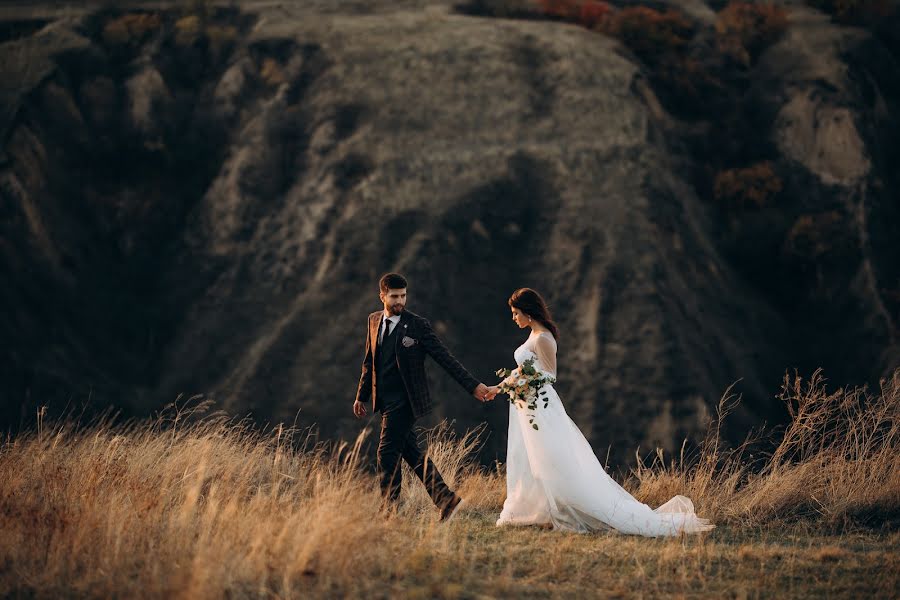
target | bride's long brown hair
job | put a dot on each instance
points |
(532, 304)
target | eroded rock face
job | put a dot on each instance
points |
(822, 138)
(835, 102)
(236, 252)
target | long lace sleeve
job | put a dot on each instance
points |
(545, 348)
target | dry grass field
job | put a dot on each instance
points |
(193, 506)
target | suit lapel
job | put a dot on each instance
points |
(374, 324)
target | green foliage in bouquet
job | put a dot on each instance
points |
(526, 389)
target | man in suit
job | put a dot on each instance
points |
(393, 380)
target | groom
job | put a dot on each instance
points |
(393, 380)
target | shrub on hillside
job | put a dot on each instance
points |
(194, 30)
(815, 236)
(221, 39)
(685, 81)
(204, 9)
(593, 13)
(188, 30)
(691, 87)
(504, 9)
(130, 29)
(754, 186)
(562, 9)
(588, 13)
(745, 29)
(654, 36)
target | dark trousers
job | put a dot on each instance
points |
(399, 441)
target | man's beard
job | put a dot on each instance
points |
(396, 309)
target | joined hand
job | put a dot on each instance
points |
(485, 393)
(481, 392)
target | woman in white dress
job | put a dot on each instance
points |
(552, 475)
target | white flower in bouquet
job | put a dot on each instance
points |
(526, 389)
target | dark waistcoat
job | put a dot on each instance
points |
(387, 374)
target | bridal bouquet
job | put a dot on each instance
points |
(525, 390)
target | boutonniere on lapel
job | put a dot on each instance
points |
(408, 341)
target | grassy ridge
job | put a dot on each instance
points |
(188, 507)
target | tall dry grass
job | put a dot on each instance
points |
(837, 461)
(192, 506)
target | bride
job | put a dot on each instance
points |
(552, 475)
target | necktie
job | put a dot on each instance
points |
(387, 330)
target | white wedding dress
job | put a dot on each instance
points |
(553, 476)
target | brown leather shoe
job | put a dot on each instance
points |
(451, 508)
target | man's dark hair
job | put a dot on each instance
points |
(392, 281)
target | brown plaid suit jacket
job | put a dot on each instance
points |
(415, 340)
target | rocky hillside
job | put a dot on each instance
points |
(200, 201)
